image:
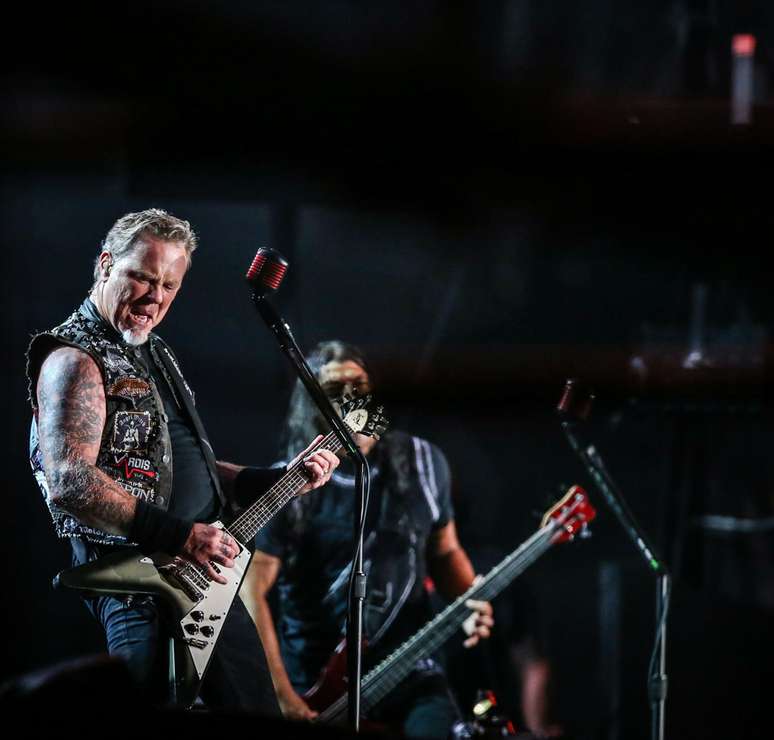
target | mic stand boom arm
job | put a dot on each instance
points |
(288, 345)
(657, 679)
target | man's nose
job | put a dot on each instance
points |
(156, 293)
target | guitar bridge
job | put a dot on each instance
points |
(187, 579)
(195, 642)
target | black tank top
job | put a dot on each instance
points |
(193, 495)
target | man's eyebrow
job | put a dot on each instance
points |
(141, 273)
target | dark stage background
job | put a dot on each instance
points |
(488, 198)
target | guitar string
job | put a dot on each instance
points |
(381, 679)
(384, 682)
(259, 513)
(268, 505)
(384, 677)
(496, 580)
(246, 526)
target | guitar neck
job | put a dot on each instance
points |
(385, 676)
(249, 522)
(379, 681)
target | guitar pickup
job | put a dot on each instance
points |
(195, 642)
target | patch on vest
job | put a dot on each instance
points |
(131, 431)
(137, 468)
(131, 388)
(115, 362)
(148, 495)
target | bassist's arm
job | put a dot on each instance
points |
(452, 572)
(447, 563)
(259, 579)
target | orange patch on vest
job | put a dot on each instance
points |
(129, 388)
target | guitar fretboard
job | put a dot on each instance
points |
(247, 525)
(385, 676)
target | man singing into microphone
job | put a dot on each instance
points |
(121, 455)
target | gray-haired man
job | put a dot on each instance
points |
(121, 454)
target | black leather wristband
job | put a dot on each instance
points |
(252, 482)
(155, 530)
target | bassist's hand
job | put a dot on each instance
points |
(207, 545)
(294, 707)
(479, 624)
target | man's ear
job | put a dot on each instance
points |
(105, 263)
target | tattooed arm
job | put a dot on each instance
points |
(71, 417)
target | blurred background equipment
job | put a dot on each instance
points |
(574, 179)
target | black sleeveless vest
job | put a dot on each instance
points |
(394, 552)
(135, 450)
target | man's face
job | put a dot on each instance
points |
(141, 286)
(348, 377)
(338, 378)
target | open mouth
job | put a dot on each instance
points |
(140, 320)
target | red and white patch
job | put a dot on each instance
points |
(132, 467)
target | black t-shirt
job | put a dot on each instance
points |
(312, 585)
(193, 496)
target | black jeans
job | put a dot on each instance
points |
(238, 677)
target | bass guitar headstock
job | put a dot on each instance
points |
(571, 515)
(362, 414)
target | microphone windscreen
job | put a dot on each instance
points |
(576, 401)
(267, 270)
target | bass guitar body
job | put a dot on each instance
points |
(332, 683)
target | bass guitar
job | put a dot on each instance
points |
(197, 606)
(561, 523)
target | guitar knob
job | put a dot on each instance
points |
(191, 629)
(197, 616)
(207, 631)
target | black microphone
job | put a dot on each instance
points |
(266, 271)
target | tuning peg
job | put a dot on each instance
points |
(585, 531)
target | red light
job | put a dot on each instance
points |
(743, 45)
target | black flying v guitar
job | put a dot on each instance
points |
(197, 605)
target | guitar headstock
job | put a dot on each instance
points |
(572, 514)
(362, 414)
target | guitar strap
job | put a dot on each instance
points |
(168, 364)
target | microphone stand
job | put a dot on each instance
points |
(657, 678)
(288, 345)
